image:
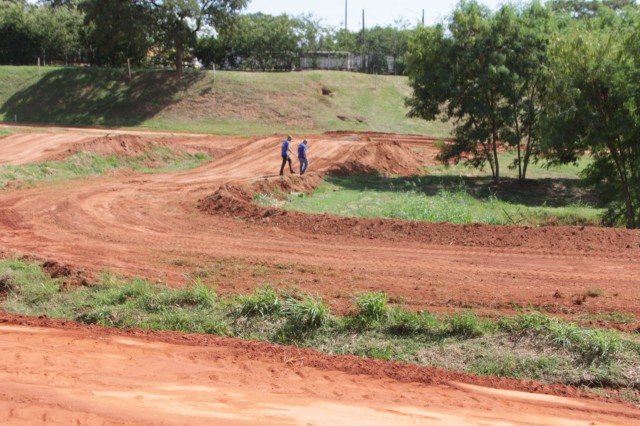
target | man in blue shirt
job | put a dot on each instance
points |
(302, 157)
(285, 155)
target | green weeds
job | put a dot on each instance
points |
(530, 345)
(449, 198)
(372, 307)
(308, 313)
(264, 301)
(85, 164)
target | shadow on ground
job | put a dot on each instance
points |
(97, 97)
(556, 192)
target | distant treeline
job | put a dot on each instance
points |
(173, 33)
(152, 33)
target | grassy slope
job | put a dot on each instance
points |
(232, 103)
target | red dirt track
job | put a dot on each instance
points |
(163, 226)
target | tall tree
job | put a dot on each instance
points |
(526, 32)
(593, 108)
(460, 75)
(266, 42)
(180, 20)
(119, 30)
(487, 74)
(125, 27)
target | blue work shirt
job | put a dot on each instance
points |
(302, 151)
(285, 148)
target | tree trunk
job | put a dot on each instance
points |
(622, 173)
(179, 58)
(496, 176)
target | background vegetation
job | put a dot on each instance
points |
(548, 85)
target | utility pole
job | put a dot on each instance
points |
(423, 17)
(345, 15)
(364, 57)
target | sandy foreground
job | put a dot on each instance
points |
(92, 376)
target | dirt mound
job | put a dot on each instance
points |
(136, 146)
(285, 185)
(119, 145)
(236, 201)
(384, 157)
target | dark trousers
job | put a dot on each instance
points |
(303, 165)
(286, 158)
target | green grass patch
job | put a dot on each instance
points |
(448, 198)
(530, 345)
(535, 170)
(82, 164)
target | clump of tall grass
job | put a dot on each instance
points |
(372, 307)
(403, 322)
(264, 301)
(465, 324)
(591, 345)
(305, 314)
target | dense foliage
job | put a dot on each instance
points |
(550, 86)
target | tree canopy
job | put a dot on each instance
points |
(593, 108)
(486, 72)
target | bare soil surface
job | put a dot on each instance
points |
(164, 226)
(57, 372)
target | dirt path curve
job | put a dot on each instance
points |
(149, 225)
(92, 375)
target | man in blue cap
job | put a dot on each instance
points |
(302, 157)
(285, 155)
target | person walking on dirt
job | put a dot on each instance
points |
(302, 157)
(285, 155)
